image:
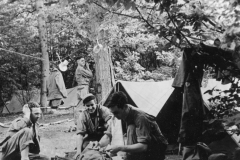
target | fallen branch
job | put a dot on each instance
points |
(53, 123)
(3, 125)
(65, 108)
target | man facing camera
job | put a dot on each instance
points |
(91, 122)
(22, 140)
(144, 138)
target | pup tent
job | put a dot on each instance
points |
(164, 102)
(71, 99)
(18, 100)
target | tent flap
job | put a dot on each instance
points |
(149, 96)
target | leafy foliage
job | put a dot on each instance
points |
(224, 106)
(184, 23)
(144, 36)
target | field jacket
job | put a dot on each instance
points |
(55, 86)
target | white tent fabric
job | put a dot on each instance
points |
(149, 96)
(71, 99)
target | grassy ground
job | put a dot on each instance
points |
(55, 140)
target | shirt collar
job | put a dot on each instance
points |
(28, 121)
(128, 117)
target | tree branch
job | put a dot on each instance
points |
(219, 31)
(213, 24)
(144, 18)
(177, 28)
(151, 10)
(134, 17)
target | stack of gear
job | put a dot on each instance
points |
(91, 152)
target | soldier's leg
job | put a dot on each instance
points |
(18, 142)
(38, 157)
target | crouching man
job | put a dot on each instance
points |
(144, 138)
(91, 122)
(22, 140)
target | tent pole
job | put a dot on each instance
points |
(5, 104)
(179, 149)
(6, 107)
(117, 87)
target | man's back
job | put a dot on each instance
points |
(142, 128)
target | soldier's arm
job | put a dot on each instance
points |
(86, 72)
(24, 153)
(107, 138)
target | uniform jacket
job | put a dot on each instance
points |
(19, 124)
(86, 126)
(55, 86)
(83, 76)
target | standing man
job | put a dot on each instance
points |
(56, 89)
(22, 140)
(91, 122)
(83, 75)
(144, 138)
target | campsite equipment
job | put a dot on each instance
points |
(63, 65)
(218, 156)
(198, 152)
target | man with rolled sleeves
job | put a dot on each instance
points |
(22, 140)
(83, 75)
(144, 138)
(91, 122)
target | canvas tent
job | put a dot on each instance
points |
(18, 100)
(153, 97)
(71, 99)
(164, 102)
(16, 103)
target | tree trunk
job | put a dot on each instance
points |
(104, 76)
(45, 62)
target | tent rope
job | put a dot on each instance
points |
(22, 54)
(105, 97)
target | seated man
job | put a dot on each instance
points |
(91, 122)
(22, 140)
(144, 138)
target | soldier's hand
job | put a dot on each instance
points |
(114, 149)
(87, 65)
(26, 111)
(77, 156)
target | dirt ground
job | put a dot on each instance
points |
(55, 139)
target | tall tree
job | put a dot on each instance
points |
(103, 65)
(45, 61)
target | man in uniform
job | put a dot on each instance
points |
(22, 140)
(56, 89)
(83, 75)
(91, 122)
(144, 138)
